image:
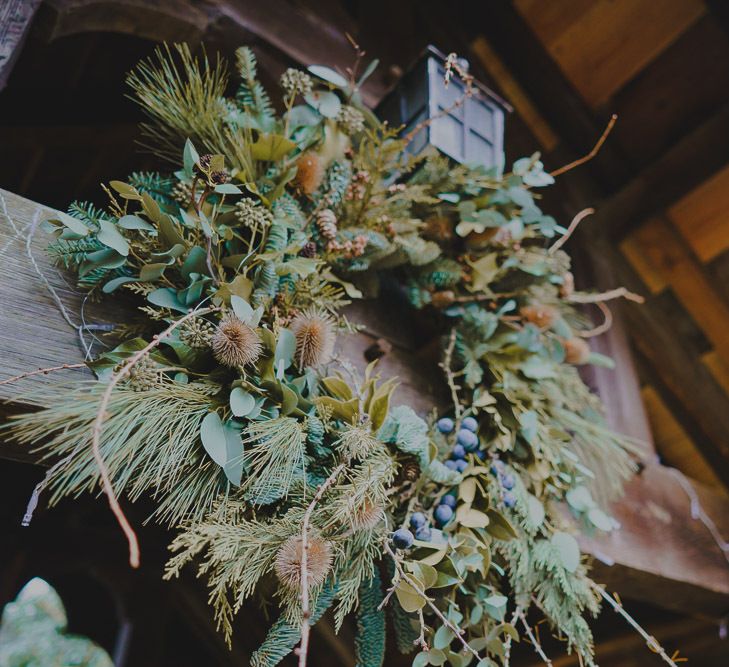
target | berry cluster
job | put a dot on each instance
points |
(507, 482)
(466, 441)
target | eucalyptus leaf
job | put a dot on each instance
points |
(241, 402)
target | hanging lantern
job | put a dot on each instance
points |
(471, 132)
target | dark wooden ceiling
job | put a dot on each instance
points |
(661, 183)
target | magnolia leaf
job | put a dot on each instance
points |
(467, 490)
(271, 147)
(134, 222)
(568, 549)
(500, 527)
(326, 102)
(242, 309)
(447, 574)
(600, 520)
(227, 189)
(496, 600)
(75, 225)
(328, 74)
(213, 438)
(298, 266)
(410, 600)
(471, 518)
(150, 272)
(484, 272)
(580, 499)
(285, 348)
(189, 158)
(241, 402)
(110, 286)
(125, 190)
(337, 387)
(443, 637)
(344, 410)
(166, 297)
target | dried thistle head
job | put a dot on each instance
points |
(366, 515)
(235, 344)
(314, 332)
(576, 351)
(287, 564)
(540, 315)
(310, 171)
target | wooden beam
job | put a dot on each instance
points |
(15, 20)
(295, 29)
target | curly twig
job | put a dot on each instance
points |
(97, 428)
(616, 293)
(602, 328)
(570, 230)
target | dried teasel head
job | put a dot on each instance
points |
(315, 336)
(576, 351)
(310, 171)
(287, 564)
(366, 516)
(235, 344)
(543, 316)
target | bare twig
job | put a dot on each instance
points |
(507, 646)
(617, 293)
(420, 641)
(602, 328)
(303, 649)
(40, 371)
(534, 641)
(418, 589)
(98, 426)
(651, 641)
(450, 377)
(570, 230)
(595, 150)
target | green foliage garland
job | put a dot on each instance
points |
(232, 422)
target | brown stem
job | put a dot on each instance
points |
(97, 428)
(40, 371)
(573, 225)
(303, 649)
(616, 293)
(595, 150)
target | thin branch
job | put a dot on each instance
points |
(417, 588)
(602, 328)
(450, 377)
(651, 641)
(507, 645)
(40, 371)
(617, 293)
(595, 150)
(303, 649)
(534, 641)
(570, 230)
(98, 426)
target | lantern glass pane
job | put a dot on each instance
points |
(479, 150)
(480, 118)
(420, 140)
(414, 95)
(447, 135)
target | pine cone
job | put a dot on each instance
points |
(326, 223)
(409, 471)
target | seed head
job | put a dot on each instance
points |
(310, 171)
(366, 516)
(576, 351)
(314, 332)
(296, 82)
(252, 214)
(543, 316)
(288, 561)
(236, 344)
(351, 119)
